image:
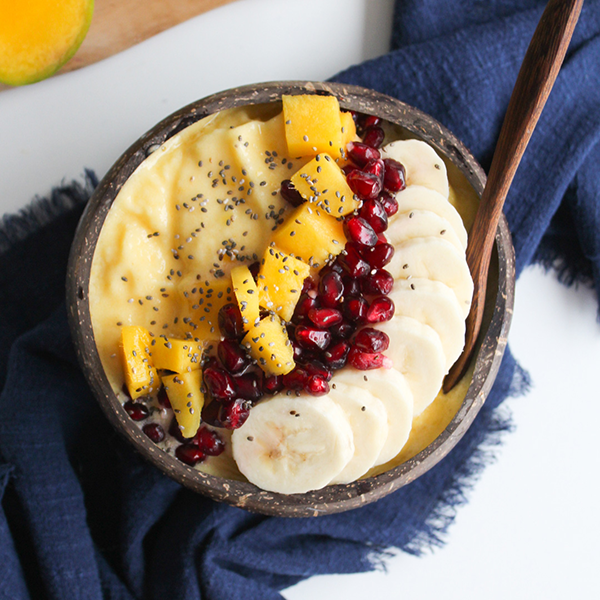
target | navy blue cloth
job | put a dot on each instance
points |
(84, 517)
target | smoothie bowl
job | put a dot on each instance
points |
(268, 288)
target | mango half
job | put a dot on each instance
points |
(37, 37)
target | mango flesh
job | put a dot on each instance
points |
(322, 182)
(312, 125)
(268, 343)
(175, 354)
(37, 37)
(311, 235)
(280, 281)
(141, 377)
(187, 400)
(246, 294)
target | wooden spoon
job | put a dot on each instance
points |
(538, 72)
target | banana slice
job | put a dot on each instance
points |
(437, 259)
(368, 419)
(418, 197)
(422, 223)
(422, 163)
(291, 445)
(390, 386)
(417, 352)
(432, 303)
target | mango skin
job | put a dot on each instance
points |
(23, 67)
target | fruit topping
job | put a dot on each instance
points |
(371, 340)
(209, 442)
(175, 354)
(186, 399)
(373, 136)
(189, 454)
(246, 294)
(312, 125)
(323, 183)
(141, 377)
(136, 410)
(230, 321)
(219, 383)
(379, 281)
(154, 431)
(311, 235)
(374, 214)
(381, 309)
(280, 282)
(364, 185)
(290, 193)
(360, 231)
(312, 338)
(361, 154)
(268, 344)
(233, 356)
(331, 289)
(394, 178)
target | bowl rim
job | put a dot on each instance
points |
(334, 498)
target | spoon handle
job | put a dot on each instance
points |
(536, 77)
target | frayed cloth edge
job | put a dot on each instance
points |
(40, 212)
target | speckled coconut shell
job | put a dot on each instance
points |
(334, 498)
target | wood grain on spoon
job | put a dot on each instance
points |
(121, 24)
(538, 72)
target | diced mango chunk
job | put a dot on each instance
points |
(141, 377)
(206, 303)
(246, 294)
(348, 129)
(323, 183)
(311, 235)
(268, 343)
(280, 281)
(187, 400)
(176, 354)
(312, 125)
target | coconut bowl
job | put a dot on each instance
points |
(334, 498)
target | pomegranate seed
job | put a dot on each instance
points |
(375, 167)
(175, 430)
(162, 398)
(316, 386)
(370, 121)
(380, 255)
(331, 289)
(364, 185)
(325, 317)
(347, 169)
(154, 431)
(353, 262)
(233, 413)
(394, 178)
(189, 454)
(359, 231)
(379, 282)
(316, 367)
(296, 379)
(381, 309)
(361, 154)
(356, 309)
(374, 136)
(248, 387)
(230, 321)
(374, 214)
(365, 361)
(254, 269)
(312, 338)
(389, 203)
(298, 350)
(136, 410)
(219, 383)
(342, 331)
(309, 284)
(351, 285)
(209, 442)
(290, 193)
(371, 340)
(232, 356)
(305, 304)
(272, 384)
(337, 354)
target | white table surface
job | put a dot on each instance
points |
(531, 527)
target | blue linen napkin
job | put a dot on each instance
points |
(83, 516)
